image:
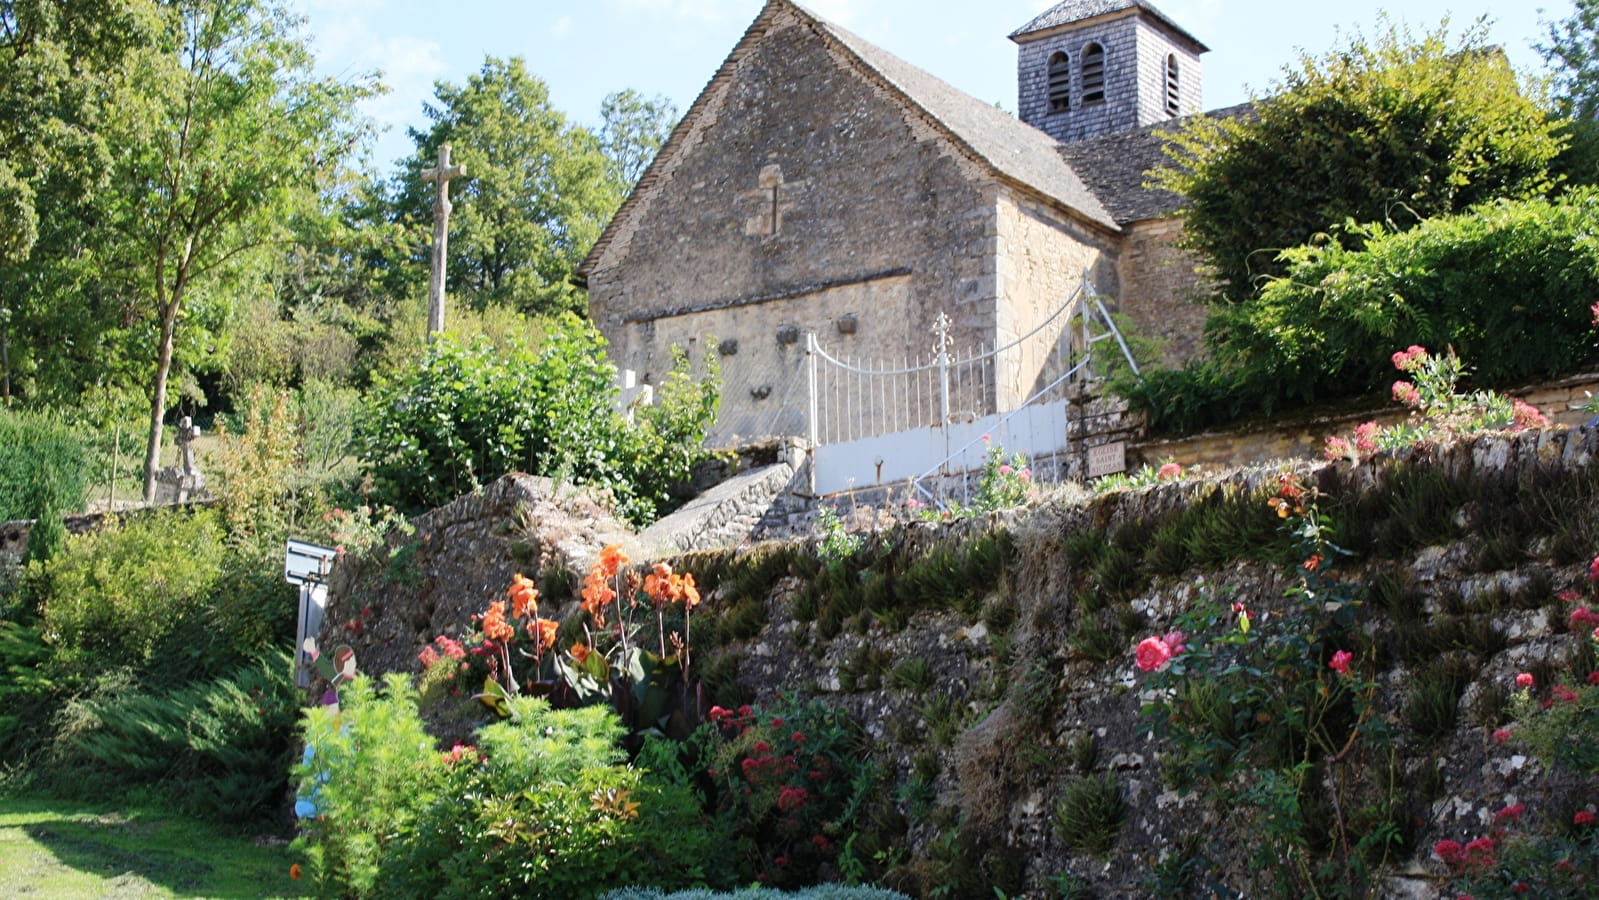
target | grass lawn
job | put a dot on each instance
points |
(61, 851)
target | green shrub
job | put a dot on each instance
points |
(218, 748)
(1395, 127)
(1089, 813)
(542, 806)
(1507, 284)
(468, 414)
(44, 470)
(123, 594)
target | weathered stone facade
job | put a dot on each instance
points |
(1158, 288)
(820, 185)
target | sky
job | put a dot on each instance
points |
(586, 49)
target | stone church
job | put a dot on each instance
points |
(821, 185)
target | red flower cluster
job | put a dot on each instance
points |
(790, 799)
(1475, 854)
(443, 647)
(1582, 619)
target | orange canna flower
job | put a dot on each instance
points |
(294, 871)
(545, 630)
(524, 596)
(579, 652)
(691, 593)
(495, 628)
(612, 559)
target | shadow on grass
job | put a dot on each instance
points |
(56, 849)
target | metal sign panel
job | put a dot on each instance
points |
(305, 563)
(1107, 459)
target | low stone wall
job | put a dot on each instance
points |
(1304, 439)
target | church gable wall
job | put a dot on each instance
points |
(805, 192)
(1159, 288)
(1043, 256)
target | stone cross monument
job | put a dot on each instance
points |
(442, 173)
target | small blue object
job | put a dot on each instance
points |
(304, 808)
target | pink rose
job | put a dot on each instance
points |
(1151, 654)
(1582, 619)
(1593, 569)
(1169, 471)
(1406, 393)
(1340, 662)
(1366, 436)
(1176, 642)
(1524, 680)
(1501, 735)
(1583, 817)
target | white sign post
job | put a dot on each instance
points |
(307, 565)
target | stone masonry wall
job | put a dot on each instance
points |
(1043, 259)
(1158, 284)
(793, 156)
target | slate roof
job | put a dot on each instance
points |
(1012, 147)
(1070, 11)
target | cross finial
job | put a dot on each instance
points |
(441, 173)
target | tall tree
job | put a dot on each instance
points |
(63, 65)
(1573, 51)
(632, 130)
(1395, 129)
(226, 146)
(536, 198)
(1573, 57)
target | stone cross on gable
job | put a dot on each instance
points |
(441, 173)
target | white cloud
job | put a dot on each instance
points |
(562, 27)
(410, 66)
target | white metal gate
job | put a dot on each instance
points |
(872, 423)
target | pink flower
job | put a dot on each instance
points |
(1593, 677)
(1501, 735)
(1449, 851)
(1175, 641)
(1005, 469)
(1366, 436)
(1568, 596)
(1583, 817)
(1409, 359)
(1593, 569)
(1526, 415)
(913, 503)
(987, 438)
(1151, 654)
(1340, 662)
(1169, 471)
(1336, 448)
(1595, 309)
(1511, 813)
(1524, 680)
(1027, 474)
(1406, 393)
(1582, 619)
(1480, 852)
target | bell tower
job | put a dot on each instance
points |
(1092, 67)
